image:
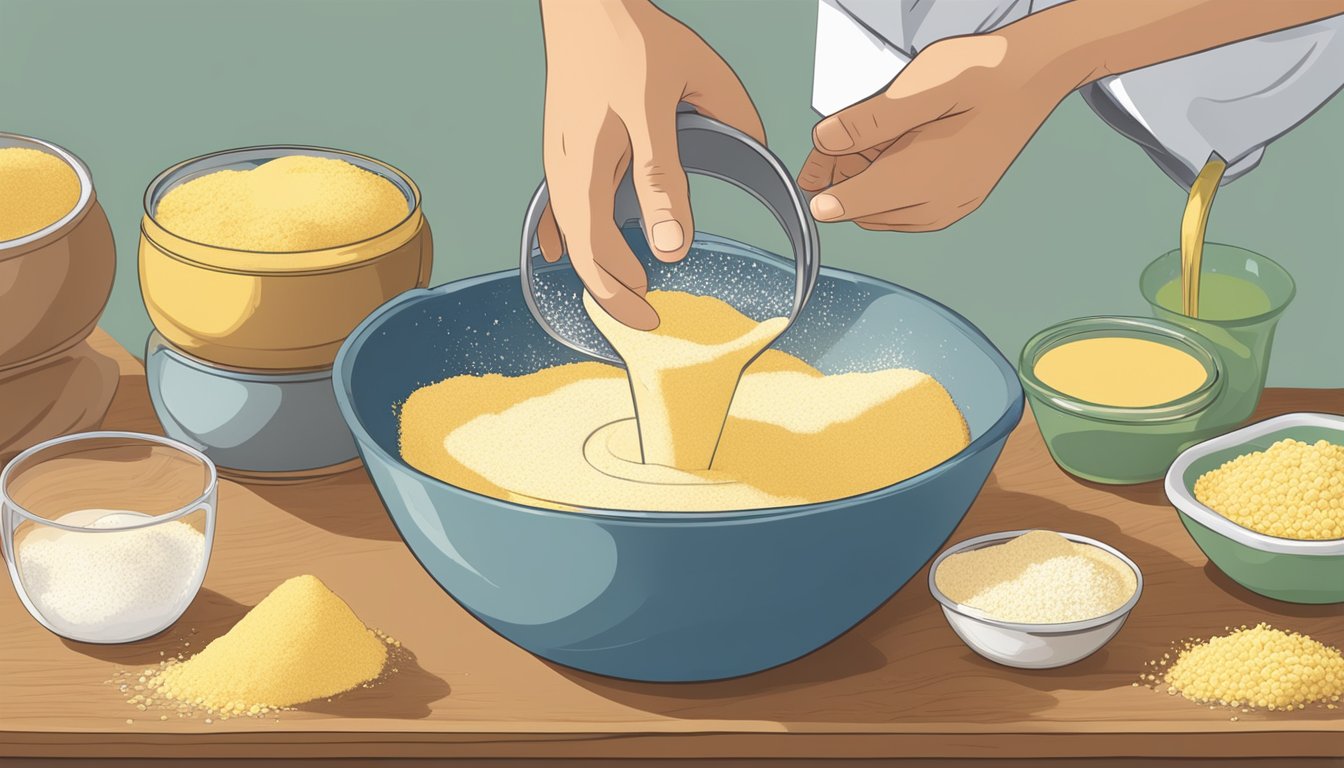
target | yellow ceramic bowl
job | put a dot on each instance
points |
(54, 282)
(268, 310)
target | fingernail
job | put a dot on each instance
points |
(831, 135)
(667, 236)
(827, 207)
(643, 319)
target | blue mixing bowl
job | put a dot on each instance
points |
(662, 596)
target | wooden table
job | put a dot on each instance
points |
(900, 685)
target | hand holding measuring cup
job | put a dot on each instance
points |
(615, 74)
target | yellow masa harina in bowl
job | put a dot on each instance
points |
(36, 189)
(289, 204)
(1292, 490)
(1121, 372)
(566, 437)
(1039, 577)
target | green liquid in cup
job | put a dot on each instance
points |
(1221, 297)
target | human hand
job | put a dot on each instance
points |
(615, 72)
(930, 148)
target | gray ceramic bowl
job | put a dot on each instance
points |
(264, 426)
(673, 596)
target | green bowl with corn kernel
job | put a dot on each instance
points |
(1291, 570)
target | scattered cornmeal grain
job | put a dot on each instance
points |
(1259, 667)
(301, 643)
(291, 203)
(1292, 490)
(1039, 577)
(36, 189)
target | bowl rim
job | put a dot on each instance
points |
(1182, 497)
(157, 344)
(149, 212)
(1161, 260)
(82, 204)
(1057, 628)
(203, 500)
(999, 430)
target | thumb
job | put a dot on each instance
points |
(660, 184)
(876, 120)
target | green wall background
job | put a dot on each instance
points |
(451, 92)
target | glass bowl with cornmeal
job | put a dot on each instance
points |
(1035, 599)
(1265, 504)
(683, 546)
(267, 257)
(107, 535)
(1117, 398)
(57, 257)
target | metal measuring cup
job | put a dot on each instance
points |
(709, 148)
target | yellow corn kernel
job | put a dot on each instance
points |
(1292, 490)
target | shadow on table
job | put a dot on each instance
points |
(209, 616)
(902, 663)
(344, 504)
(131, 406)
(404, 692)
(1268, 606)
(1151, 494)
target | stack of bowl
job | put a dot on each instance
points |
(239, 363)
(54, 283)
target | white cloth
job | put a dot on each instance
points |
(1232, 100)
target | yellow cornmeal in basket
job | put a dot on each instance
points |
(291, 203)
(1292, 490)
(1260, 667)
(565, 437)
(36, 189)
(299, 644)
(1039, 577)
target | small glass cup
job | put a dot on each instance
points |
(1242, 333)
(107, 534)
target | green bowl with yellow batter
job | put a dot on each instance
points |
(1120, 445)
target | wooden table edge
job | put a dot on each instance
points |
(725, 745)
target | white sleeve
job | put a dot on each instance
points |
(852, 61)
(1232, 100)
(863, 44)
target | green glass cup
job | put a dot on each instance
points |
(1242, 296)
(1121, 445)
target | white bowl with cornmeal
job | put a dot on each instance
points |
(1031, 645)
